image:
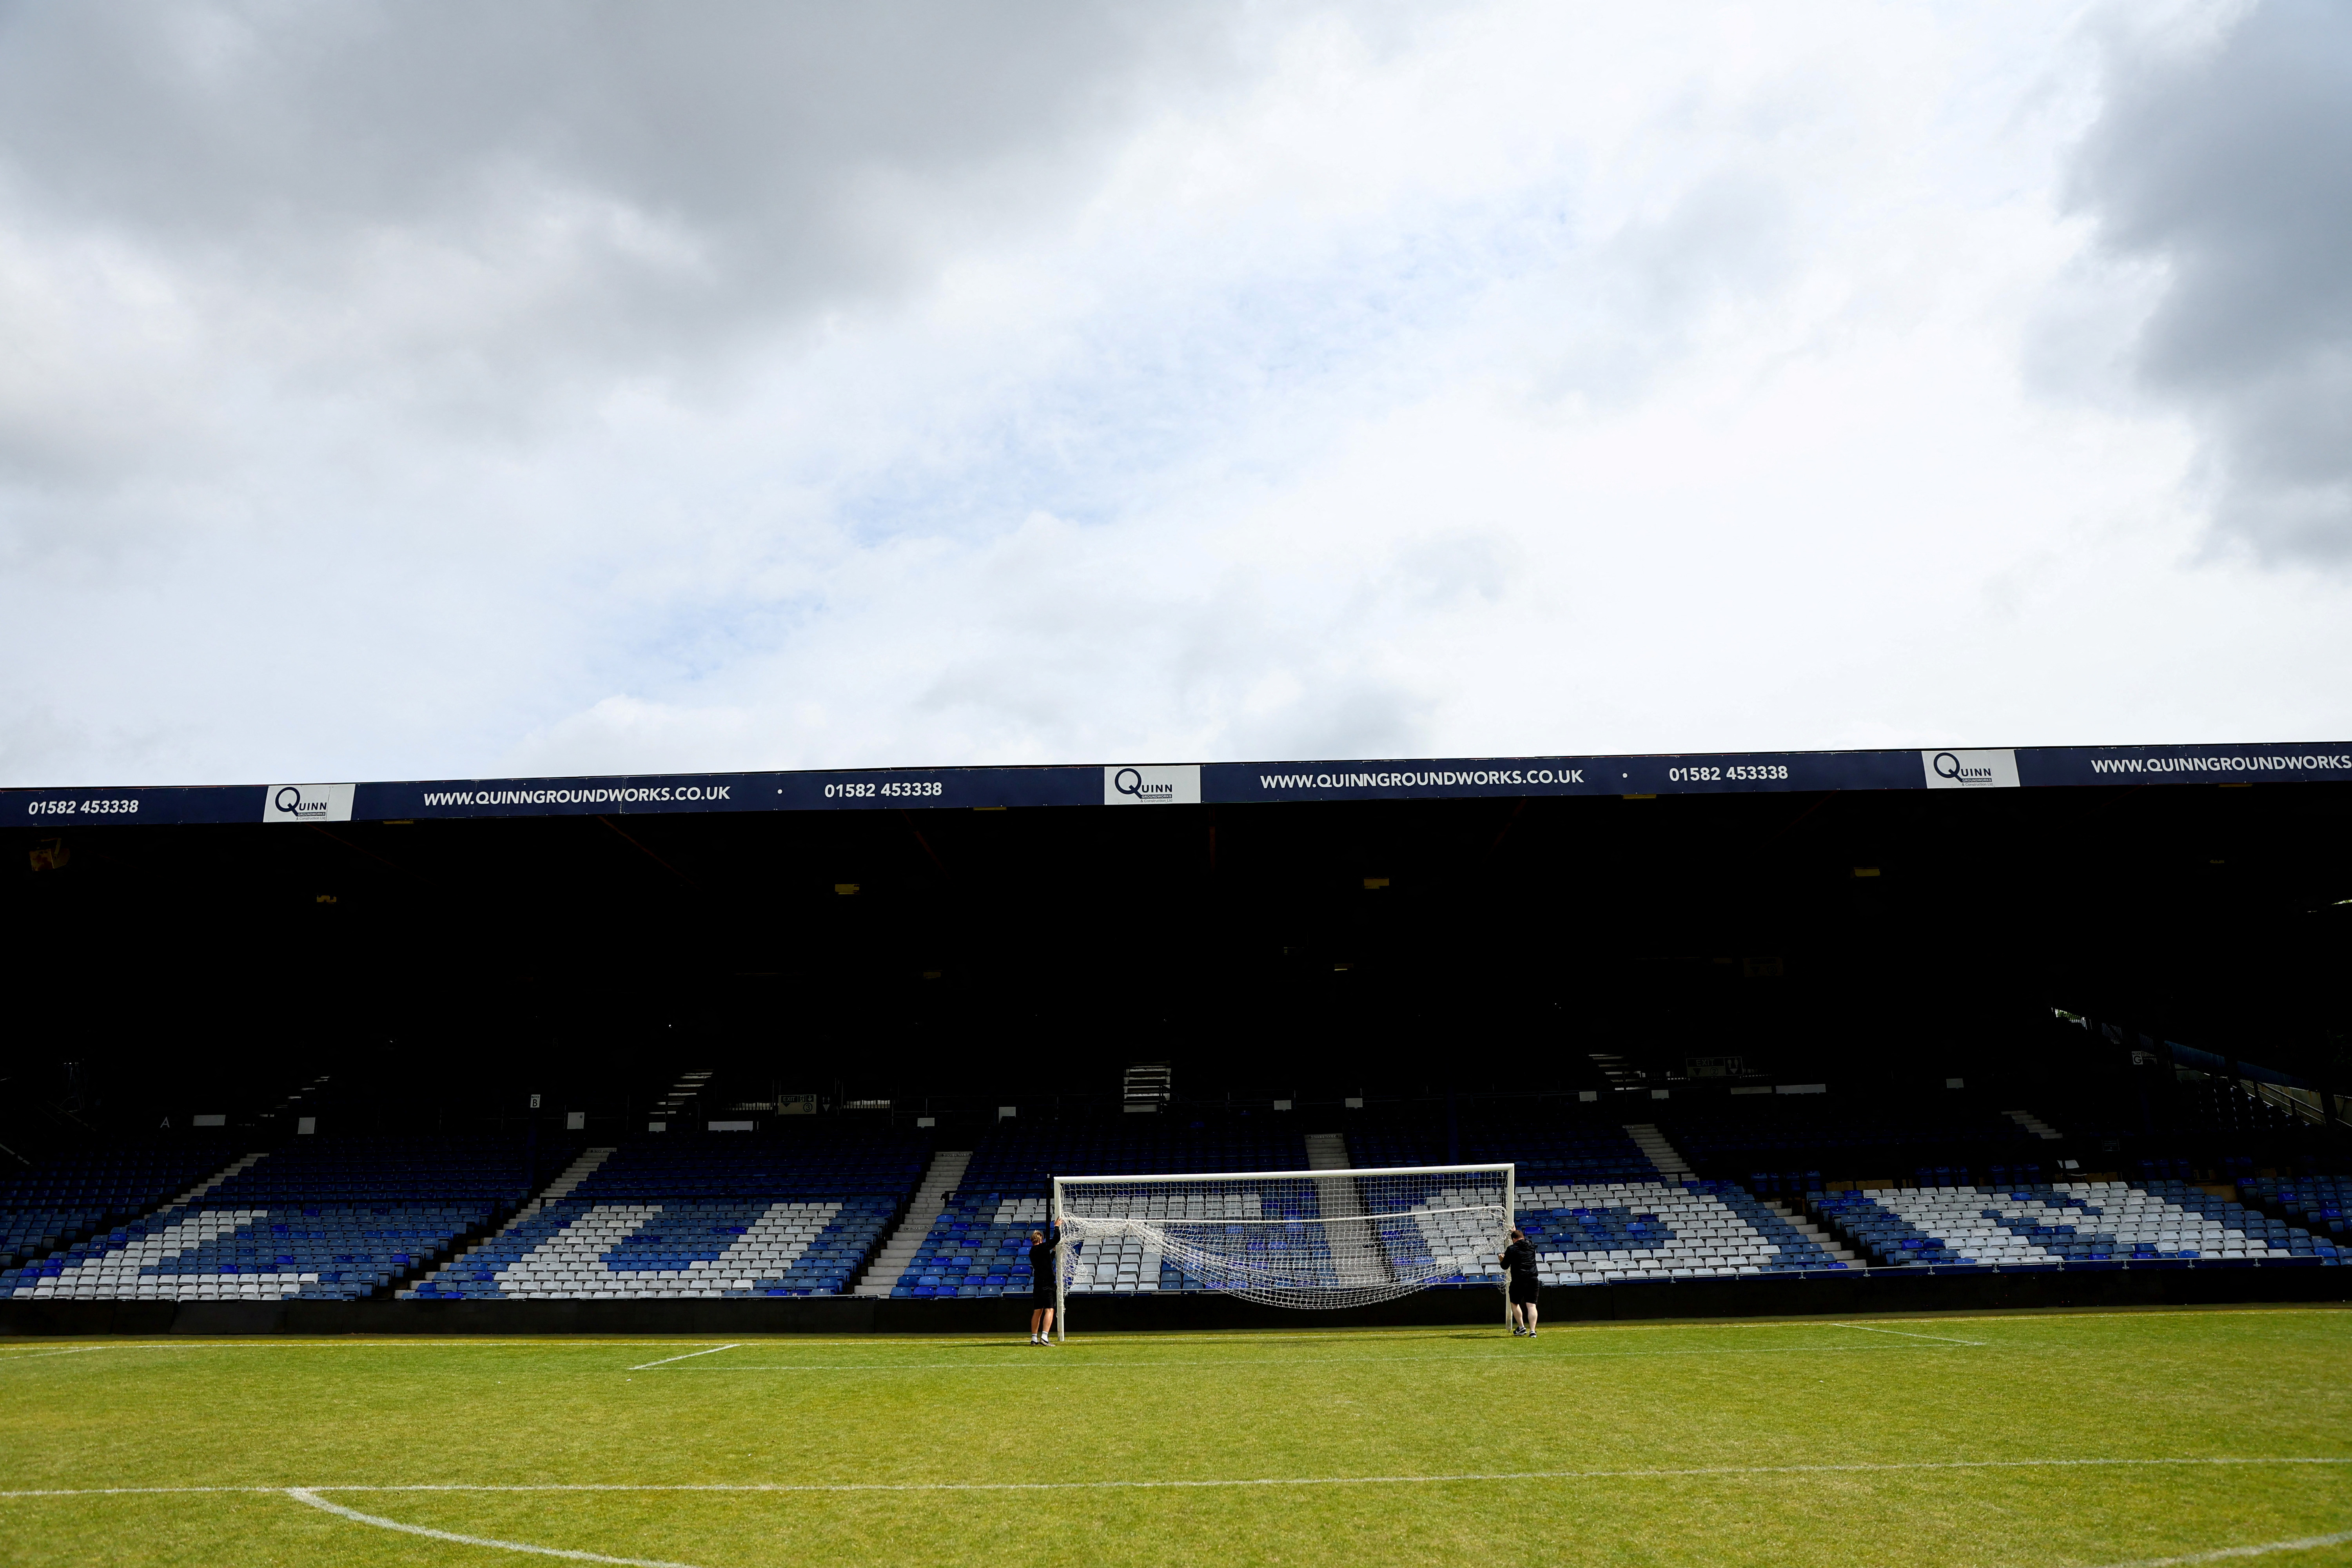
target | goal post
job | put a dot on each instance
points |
(1288, 1238)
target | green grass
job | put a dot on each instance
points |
(1652, 1444)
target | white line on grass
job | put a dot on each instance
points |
(2222, 1555)
(302, 1495)
(132, 1491)
(690, 1355)
(420, 1341)
(1082, 1363)
(1947, 1339)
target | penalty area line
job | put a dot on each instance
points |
(313, 1500)
(690, 1355)
(2224, 1553)
(1946, 1339)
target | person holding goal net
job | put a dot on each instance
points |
(1045, 1285)
(1524, 1286)
(1288, 1238)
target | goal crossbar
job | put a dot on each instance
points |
(1332, 1237)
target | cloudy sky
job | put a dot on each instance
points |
(430, 391)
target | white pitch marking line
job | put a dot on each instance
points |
(132, 1491)
(2307, 1544)
(311, 1499)
(1079, 1363)
(1947, 1339)
(690, 1355)
(77, 1350)
(1695, 1471)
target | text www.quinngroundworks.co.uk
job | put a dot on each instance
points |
(612, 796)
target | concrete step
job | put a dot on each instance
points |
(1813, 1233)
(931, 1200)
(1327, 1151)
(215, 1179)
(570, 1177)
(2033, 1124)
(1657, 1151)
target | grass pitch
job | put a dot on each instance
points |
(2028, 1440)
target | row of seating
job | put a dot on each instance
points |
(1557, 1149)
(748, 1166)
(2067, 1222)
(1749, 1136)
(2321, 1202)
(333, 1251)
(579, 1250)
(395, 1170)
(1654, 1230)
(65, 1199)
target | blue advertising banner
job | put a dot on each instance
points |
(1187, 784)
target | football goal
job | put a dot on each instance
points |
(1289, 1238)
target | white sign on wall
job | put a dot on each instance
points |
(1135, 785)
(1969, 770)
(308, 802)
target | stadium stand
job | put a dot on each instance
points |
(2075, 1222)
(337, 1219)
(725, 1215)
(63, 1200)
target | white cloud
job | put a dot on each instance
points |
(1496, 380)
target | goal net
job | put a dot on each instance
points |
(1290, 1239)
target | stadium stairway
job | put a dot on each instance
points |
(2034, 1124)
(1355, 1250)
(1658, 1151)
(572, 1176)
(1814, 1233)
(931, 1200)
(488, 1243)
(216, 1178)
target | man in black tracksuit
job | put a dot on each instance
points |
(1043, 1266)
(1519, 1260)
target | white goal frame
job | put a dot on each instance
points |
(1509, 1172)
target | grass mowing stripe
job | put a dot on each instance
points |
(1672, 1473)
(690, 1355)
(313, 1500)
(2223, 1553)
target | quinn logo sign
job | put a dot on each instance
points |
(307, 802)
(1153, 786)
(1969, 770)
